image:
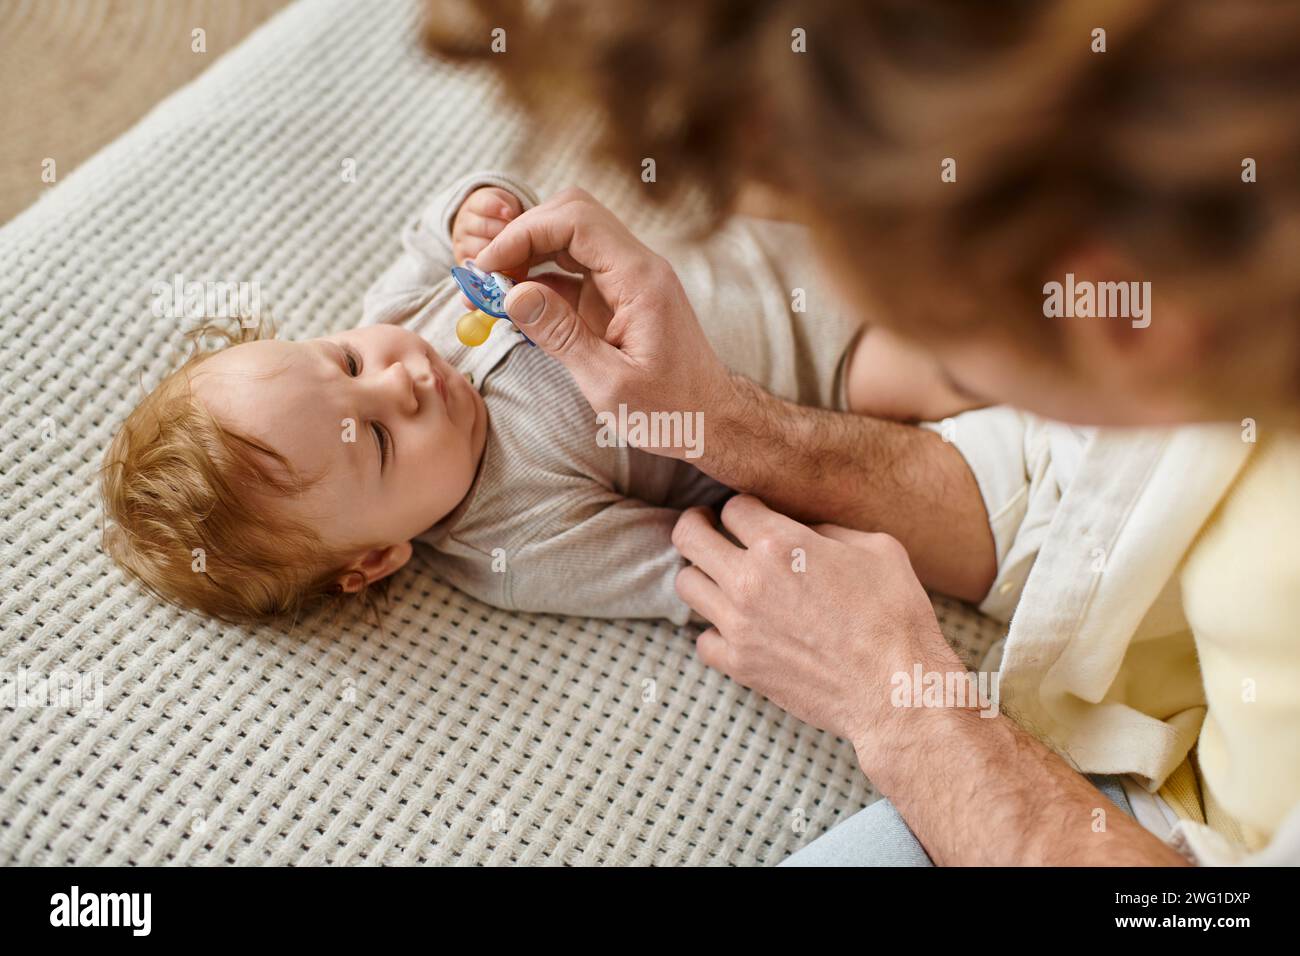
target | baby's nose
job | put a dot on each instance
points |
(407, 386)
(424, 376)
(424, 381)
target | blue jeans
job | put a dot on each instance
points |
(877, 836)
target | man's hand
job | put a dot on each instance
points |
(819, 620)
(622, 325)
(480, 219)
(620, 322)
(816, 620)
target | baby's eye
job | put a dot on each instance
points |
(382, 437)
(354, 367)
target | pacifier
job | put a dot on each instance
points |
(488, 292)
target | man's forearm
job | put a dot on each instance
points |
(865, 473)
(982, 791)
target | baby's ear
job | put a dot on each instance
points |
(349, 582)
(375, 565)
(114, 541)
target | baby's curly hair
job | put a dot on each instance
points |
(191, 509)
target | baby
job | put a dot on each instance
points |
(269, 476)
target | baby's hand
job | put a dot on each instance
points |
(482, 215)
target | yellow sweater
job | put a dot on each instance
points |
(1241, 593)
(1160, 620)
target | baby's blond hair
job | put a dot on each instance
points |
(191, 508)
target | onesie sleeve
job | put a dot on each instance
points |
(426, 259)
(441, 213)
(600, 554)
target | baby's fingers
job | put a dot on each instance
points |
(470, 223)
(493, 203)
(467, 247)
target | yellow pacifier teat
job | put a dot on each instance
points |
(486, 291)
(473, 328)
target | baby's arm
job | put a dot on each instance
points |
(602, 555)
(432, 243)
(889, 377)
(742, 286)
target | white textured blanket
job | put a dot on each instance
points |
(466, 734)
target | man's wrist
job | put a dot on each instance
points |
(984, 791)
(735, 443)
(934, 698)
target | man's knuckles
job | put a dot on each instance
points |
(689, 529)
(772, 548)
(744, 514)
(747, 588)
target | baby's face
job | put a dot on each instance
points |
(396, 431)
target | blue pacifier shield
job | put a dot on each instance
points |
(487, 292)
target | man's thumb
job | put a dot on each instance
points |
(546, 317)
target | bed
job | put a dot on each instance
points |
(460, 734)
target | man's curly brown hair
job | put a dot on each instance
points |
(1058, 147)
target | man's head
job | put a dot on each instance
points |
(290, 471)
(954, 161)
